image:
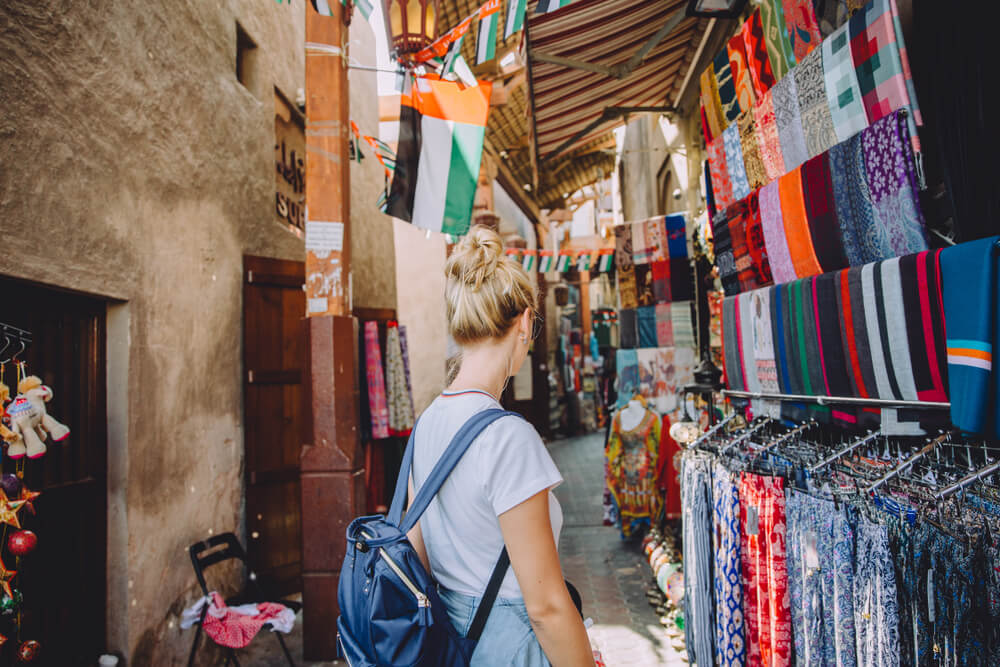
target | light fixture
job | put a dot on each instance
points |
(527, 187)
(504, 155)
(410, 24)
(716, 9)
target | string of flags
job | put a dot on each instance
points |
(600, 259)
(383, 153)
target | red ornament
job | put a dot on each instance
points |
(28, 650)
(22, 542)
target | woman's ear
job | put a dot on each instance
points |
(524, 323)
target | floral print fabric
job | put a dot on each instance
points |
(734, 162)
(876, 619)
(787, 117)
(803, 31)
(377, 406)
(817, 122)
(398, 398)
(730, 641)
(767, 134)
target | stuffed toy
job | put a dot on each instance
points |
(31, 422)
(5, 433)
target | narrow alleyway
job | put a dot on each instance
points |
(611, 574)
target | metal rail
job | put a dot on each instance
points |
(838, 400)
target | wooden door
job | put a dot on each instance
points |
(274, 362)
(63, 580)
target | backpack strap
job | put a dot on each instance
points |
(489, 597)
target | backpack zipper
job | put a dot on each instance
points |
(422, 600)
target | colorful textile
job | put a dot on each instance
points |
(661, 281)
(892, 179)
(756, 247)
(872, 237)
(767, 616)
(696, 499)
(627, 367)
(714, 117)
(920, 279)
(676, 230)
(758, 60)
(763, 349)
(726, 87)
(398, 397)
(840, 179)
(773, 228)
(656, 239)
(730, 642)
(645, 294)
(969, 286)
(724, 257)
(640, 246)
(740, 72)
(664, 326)
(821, 210)
(828, 328)
(817, 122)
(788, 118)
(779, 47)
(377, 405)
(767, 135)
(842, 91)
(750, 147)
(405, 348)
(803, 32)
(880, 336)
(631, 457)
(722, 188)
(796, 223)
(683, 329)
(668, 476)
(235, 627)
(876, 618)
(628, 295)
(623, 246)
(646, 320)
(734, 162)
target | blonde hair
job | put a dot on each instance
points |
(485, 291)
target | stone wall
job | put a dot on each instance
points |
(137, 167)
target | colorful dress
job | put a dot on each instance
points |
(631, 472)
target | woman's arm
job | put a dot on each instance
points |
(527, 532)
(416, 537)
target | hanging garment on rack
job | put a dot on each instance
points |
(398, 398)
(631, 456)
(377, 406)
(699, 614)
(729, 634)
(765, 575)
(667, 473)
(876, 620)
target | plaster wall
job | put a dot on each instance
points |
(644, 150)
(135, 166)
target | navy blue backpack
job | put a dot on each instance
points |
(390, 611)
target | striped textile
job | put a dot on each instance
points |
(514, 19)
(920, 281)
(486, 37)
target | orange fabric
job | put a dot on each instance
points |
(793, 214)
(447, 100)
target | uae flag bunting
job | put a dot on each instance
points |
(513, 253)
(546, 260)
(529, 260)
(486, 40)
(323, 7)
(441, 131)
(514, 21)
(365, 7)
(565, 261)
(440, 46)
(546, 6)
(583, 260)
(605, 260)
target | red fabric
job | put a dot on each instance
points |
(758, 61)
(755, 242)
(666, 473)
(852, 348)
(237, 630)
(926, 314)
(766, 613)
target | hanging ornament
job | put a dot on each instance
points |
(28, 497)
(22, 543)
(10, 484)
(5, 577)
(10, 604)
(28, 650)
(9, 509)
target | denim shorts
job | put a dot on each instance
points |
(508, 640)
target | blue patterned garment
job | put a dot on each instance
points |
(734, 162)
(876, 619)
(840, 172)
(730, 639)
(871, 238)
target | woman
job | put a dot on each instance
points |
(501, 491)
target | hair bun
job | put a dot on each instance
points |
(476, 257)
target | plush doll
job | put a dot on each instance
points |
(31, 422)
(5, 433)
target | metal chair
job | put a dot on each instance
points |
(218, 549)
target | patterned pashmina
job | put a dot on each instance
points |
(730, 646)
(763, 348)
(640, 245)
(758, 61)
(718, 167)
(623, 247)
(892, 179)
(785, 100)
(730, 342)
(803, 32)
(767, 135)
(741, 252)
(779, 259)
(741, 72)
(872, 239)
(680, 316)
(399, 401)
(646, 321)
(755, 243)
(724, 258)
(821, 210)
(377, 406)
(645, 291)
(664, 326)
(817, 122)
(627, 367)
(779, 48)
(656, 239)
(714, 117)
(796, 223)
(661, 281)
(750, 147)
(842, 91)
(676, 231)
(840, 177)
(918, 276)
(734, 162)
(725, 86)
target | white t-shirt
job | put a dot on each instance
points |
(507, 464)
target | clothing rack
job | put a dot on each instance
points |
(746, 434)
(13, 336)
(908, 463)
(966, 481)
(712, 431)
(846, 450)
(839, 400)
(785, 437)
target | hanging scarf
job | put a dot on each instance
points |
(803, 32)
(627, 367)
(709, 190)
(404, 346)
(646, 324)
(817, 123)
(843, 95)
(785, 100)
(714, 117)
(750, 147)
(661, 281)
(741, 72)
(640, 247)
(734, 162)
(724, 258)
(664, 326)
(628, 328)
(681, 279)
(856, 287)
(758, 61)
(773, 228)
(398, 397)
(763, 348)
(767, 135)
(892, 179)
(628, 295)
(656, 239)
(821, 210)
(680, 316)
(840, 178)
(755, 243)
(919, 276)
(796, 224)
(726, 87)
(377, 405)
(722, 188)
(676, 231)
(879, 335)
(779, 48)
(730, 345)
(623, 246)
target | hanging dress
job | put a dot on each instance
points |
(631, 472)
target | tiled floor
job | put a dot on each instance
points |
(610, 573)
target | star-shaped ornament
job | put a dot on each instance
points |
(5, 577)
(28, 497)
(8, 510)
